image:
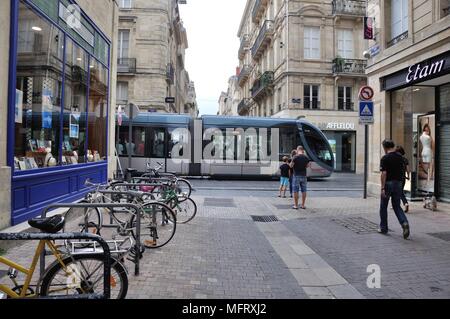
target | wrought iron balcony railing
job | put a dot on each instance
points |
(264, 36)
(349, 66)
(244, 44)
(345, 106)
(314, 104)
(397, 39)
(170, 73)
(262, 85)
(244, 75)
(126, 65)
(355, 8)
(244, 107)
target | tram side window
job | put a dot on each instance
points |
(288, 140)
(137, 145)
(158, 141)
(176, 137)
(318, 144)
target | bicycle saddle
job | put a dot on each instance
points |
(49, 225)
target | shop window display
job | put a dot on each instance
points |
(38, 92)
(414, 128)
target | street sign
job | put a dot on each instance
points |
(366, 112)
(170, 100)
(366, 93)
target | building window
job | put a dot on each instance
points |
(345, 43)
(125, 4)
(38, 92)
(122, 92)
(312, 43)
(444, 8)
(124, 43)
(311, 96)
(345, 98)
(399, 18)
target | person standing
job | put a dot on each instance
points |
(392, 175)
(406, 176)
(284, 179)
(291, 171)
(300, 164)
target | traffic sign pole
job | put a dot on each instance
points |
(366, 159)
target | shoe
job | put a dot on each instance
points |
(294, 207)
(383, 232)
(406, 208)
(406, 232)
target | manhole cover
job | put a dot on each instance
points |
(219, 202)
(444, 236)
(265, 219)
(358, 225)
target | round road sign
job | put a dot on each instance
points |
(366, 93)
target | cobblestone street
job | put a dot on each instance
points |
(321, 252)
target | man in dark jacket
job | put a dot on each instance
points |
(392, 174)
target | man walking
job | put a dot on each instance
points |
(299, 164)
(392, 174)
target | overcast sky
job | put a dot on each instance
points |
(212, 27)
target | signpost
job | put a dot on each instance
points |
(131, 111)
(366, 117)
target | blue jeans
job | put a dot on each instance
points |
(299, 183)
(393, 190)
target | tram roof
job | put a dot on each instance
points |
(236, 121)
(160, 118)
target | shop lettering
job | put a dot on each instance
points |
(336, 126)
(416, 72)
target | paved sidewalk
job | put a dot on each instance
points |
(321, 252)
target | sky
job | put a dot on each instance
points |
(212, 27)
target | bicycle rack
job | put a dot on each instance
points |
(136, 208)
(71, 236)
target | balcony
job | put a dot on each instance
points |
(264, 37)
(170, 74)
(349, 8)
(258, 10)
(263, 86)
(397, 39)
(243, 75)
(244, 107)
(126, 65)
(353, 67)
(245, 42)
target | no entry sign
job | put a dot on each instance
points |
(366, 93)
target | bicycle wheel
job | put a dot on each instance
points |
(185, 211)
(158, 225)
(85, 220)
(183, 189)
(83, 274)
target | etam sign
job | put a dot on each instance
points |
(419, 72)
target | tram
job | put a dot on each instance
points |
(219, 146)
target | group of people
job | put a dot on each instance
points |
(394, 169)
(294, 175)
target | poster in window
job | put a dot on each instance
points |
(19, 106)
(74, 125)
(47, 109)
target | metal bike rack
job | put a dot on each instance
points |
(71, 236)
(136, 208)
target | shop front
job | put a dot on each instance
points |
(420, 122)
(58, 105)
(343, 139)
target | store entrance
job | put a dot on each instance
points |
(344, 150)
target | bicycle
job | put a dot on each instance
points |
(73, 273)
(158, 220)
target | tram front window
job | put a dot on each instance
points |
(318, 145)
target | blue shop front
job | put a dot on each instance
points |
(58, 104)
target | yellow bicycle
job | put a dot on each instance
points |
(72, 275)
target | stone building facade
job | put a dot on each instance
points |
(305, 59)
(229, 101)
(409, 69)
(152, 46)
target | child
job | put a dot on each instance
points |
(284, 180)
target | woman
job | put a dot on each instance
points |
(406, 176)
